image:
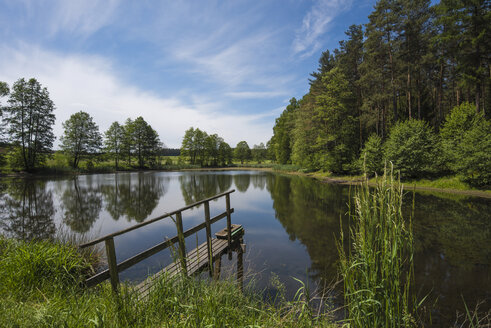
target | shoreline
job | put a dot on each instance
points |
(342, 180)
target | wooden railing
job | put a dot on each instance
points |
(114, 268)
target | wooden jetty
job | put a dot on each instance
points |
(206, 256)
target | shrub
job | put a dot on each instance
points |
(460, 120)
(474, 153)
(372, 154)
(411, 148)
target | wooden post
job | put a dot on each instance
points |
(229, 226)
(240, 265)
(218, 268)
(111, 261)
(208, 238)
(182, 244)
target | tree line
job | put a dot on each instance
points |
(27, 127)
(411, 86)
(203, 149)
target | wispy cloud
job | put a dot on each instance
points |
(316, 23)
(91, 83)
(255, 94)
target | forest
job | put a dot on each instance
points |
(411, 87)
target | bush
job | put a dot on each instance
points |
(411, 148)
(372, 155)
(474, 153)
(460, 120)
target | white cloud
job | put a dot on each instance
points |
(255, 94)
(81, 17)
(316, 23)
(90, 83)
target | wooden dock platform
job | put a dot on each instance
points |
(198, 260)
(207, 255)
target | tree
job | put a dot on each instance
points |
(411, 148)
(145, 141)
(114, 141)
(336, 142)
(187, 145)
(468, 28)
(242, 152)
(259, 152)
(457, 123)
(372, 154)
(30, 121)
(283, 133)
(224, 154)
(474, 153)
(80, 138)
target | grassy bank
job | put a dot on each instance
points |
(41, 286)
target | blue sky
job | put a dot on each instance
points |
(227, 67)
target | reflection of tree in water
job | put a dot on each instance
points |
(310, 212)
(133, 195)
(242, 182)
(81, 203)
(197, 186)
(258, 181)
(27, 210)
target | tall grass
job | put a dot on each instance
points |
(377, 269)
(40, 287)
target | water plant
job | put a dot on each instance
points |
(377, 268)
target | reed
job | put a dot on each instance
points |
(377, 268)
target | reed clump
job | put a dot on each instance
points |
(377, 268)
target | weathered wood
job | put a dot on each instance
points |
(182, 245)
(114, 234)
(229, 224)
(104, 275)
(218, 268)
(111, 260)
(208, 238)
(197, 260)
(226, 233)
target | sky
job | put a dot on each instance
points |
(228, 67)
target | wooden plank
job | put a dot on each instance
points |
(229, 220)
(224, 233)
(117, 233)
(182, 245)
(197, 260)
(113, 266)
(208, 238)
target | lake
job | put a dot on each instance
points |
(291, 224)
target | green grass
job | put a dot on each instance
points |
(377, 269)
(40, 286)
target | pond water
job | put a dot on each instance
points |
(291, 226)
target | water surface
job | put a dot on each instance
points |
(292, 225)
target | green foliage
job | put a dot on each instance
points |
(282, 140)
(242, 152)
(39, 288)
(460, 120)
(474, 153)
(336, 142)
(30, 121)
(114, 141)
(411, 148)
(145, 142)
(378, 268)
(30, 269)
(81, 137)
(259, 153)
(204, 149)
(372, 156)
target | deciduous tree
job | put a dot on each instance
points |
(30, 119)
(81, 137)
